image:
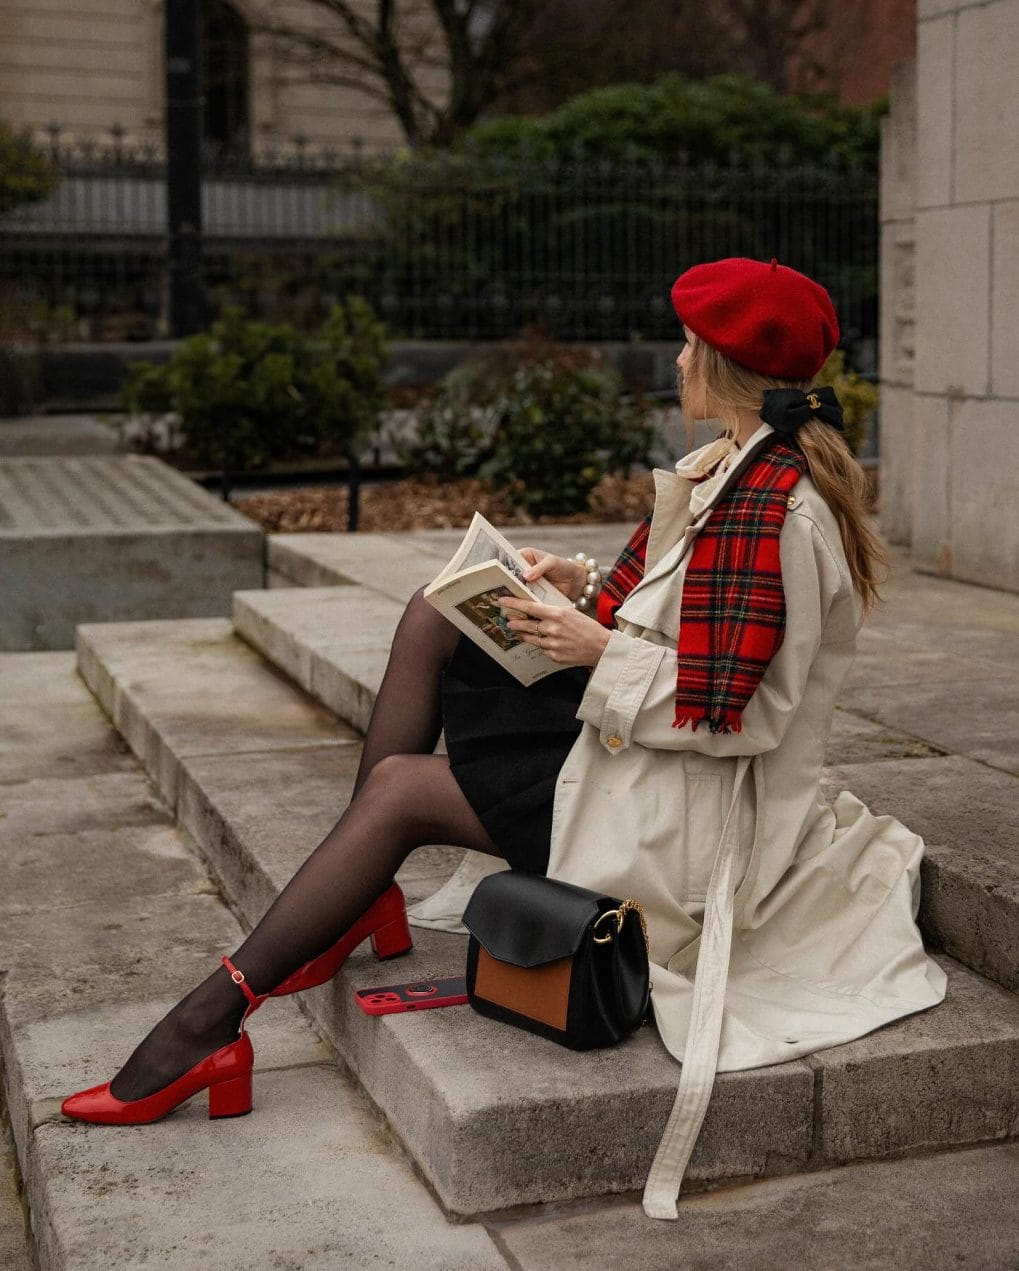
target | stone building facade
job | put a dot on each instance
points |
(90, 68)
(950, 295)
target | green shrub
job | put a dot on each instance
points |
(341, 378)
(26, 174)
(249, 392)
(454, 427)
(858, 397)
(544, 422)
(716, 119)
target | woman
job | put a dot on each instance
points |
(724, 633)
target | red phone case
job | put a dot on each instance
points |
(419, 995)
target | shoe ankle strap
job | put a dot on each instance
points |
(240, 980)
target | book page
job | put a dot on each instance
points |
(483, 543)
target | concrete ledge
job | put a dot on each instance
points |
(517, 1120)
(945, 1076)
(102, 539)
(514, 1119)
(938, 661)
(966, 813)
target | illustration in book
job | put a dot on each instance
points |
(484, 568)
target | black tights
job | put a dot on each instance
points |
(404, 797)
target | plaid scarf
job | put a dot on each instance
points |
(732, 613)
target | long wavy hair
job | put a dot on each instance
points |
(833, 467)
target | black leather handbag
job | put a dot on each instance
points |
(561, 961)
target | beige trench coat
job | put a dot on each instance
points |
(779, 923)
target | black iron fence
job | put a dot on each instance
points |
(443, 247)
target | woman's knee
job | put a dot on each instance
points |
(418, 793)
(429, 627)
(418, 606)
(397, 779)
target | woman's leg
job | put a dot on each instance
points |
(407, 717)
(405, 805)
(404, 802)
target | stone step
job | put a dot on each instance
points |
(493, 1117)
(15, 1239)
(953, 1209)
(395, 565)
(107, 916)
(333, 642)
(968, 816)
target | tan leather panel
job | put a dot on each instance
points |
(541, 993)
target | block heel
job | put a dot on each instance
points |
(230, 1098)
(393, 939)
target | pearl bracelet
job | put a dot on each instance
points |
(593, 584)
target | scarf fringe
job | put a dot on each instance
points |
(727, 723)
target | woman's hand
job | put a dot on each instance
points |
(567, 576)
(568, 637)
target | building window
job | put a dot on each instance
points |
(225, 79)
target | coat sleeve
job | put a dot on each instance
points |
(631, 695)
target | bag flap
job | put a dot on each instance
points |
(528, 920)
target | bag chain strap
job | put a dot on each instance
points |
(628, 906)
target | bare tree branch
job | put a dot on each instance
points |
(772, 31)
(401, 47)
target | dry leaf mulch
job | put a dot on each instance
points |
(432, 505)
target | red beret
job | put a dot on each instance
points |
(769, 318)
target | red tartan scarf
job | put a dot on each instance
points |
(732, 613)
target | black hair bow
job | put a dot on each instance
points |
(787, 408)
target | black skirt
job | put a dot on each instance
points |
(506, 744)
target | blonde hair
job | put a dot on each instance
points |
(833, 468)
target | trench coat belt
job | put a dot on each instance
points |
(700, 1056)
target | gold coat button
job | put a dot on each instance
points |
(791, 501)
(615, 741)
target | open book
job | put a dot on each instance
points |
(485, 567)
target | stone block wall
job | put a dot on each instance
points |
(950, 295)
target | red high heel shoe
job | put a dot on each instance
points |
(385, 922)
(226, 1074)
